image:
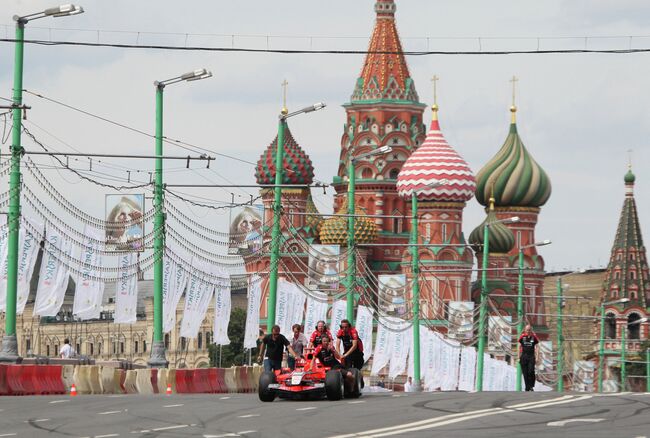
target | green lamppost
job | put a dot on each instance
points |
(277, 208)
(415, 267)
(520, 301)
(601, 341)
(9, 351)
(158, 358)
(483, 299)
(647, 370)
(560, 337)
(352, 258)
(623, 364)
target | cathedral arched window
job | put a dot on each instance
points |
(633, 328)
(199, 341)
(393, 174)
(632, 275)
(427, 232)
(610, 326)
(167, 341)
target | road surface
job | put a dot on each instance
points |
(442, 414)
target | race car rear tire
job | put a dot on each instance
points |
(356, 389)
(266, 395)
(334, 385)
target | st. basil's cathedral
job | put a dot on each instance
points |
(385, 110)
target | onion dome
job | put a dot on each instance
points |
(629, 177)
(433, 161)
(313, 218)
(513, 177)
(298, 168)
(501, 238)
(334, 231)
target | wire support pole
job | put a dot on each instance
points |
(158, 357)
(601, 347)
(415, 287)
(483, 310)
(9, 351)
(560, 339)
(623, 365)
(352, 259)
(520, 315)
(277, 211)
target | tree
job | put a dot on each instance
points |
(234, 353)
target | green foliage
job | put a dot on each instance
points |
(638, 369)
(233, 354)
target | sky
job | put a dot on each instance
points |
(578, 114)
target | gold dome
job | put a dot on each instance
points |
(334, 231)
(313, 218)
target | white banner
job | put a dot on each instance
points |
(400, 348)
(253, 312)
(364, 328)
(450, 382)
(316, 310)
(30, 238)
(467, 372)
(197, 299)
(175, 278)
(222, 308)
(126, 289)
(381, 355)
(339, 311)
(54, 276)
(90, 290)
(289, 307)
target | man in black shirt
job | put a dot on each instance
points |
(527, 354)
(274, 345)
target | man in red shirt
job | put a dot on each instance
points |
(527, 355)
(329, 357)
(317, 335)
(352, 345)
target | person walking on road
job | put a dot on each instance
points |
(273, 345)
(298, 343)
(527, 356)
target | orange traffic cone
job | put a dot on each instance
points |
(169, 389)
(73, 391)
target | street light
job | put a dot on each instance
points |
(623, 366)
(520, 301)
(352, 259)
(601, 348)
(158, 359)
(415, 267)
(277, 208)
(484, 292)
(9, 352)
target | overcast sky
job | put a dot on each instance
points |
(578, 113)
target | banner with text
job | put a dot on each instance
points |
(54, 275)
(126, 289)
(89, 286)
(222, 309)
(253, 312)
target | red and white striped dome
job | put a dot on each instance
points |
(434, 161)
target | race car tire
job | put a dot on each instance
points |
(356, 390)
(334, 385)
(267, 378)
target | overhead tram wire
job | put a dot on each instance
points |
(537, 51)
(179, 143)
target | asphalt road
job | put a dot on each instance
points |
(442, 414)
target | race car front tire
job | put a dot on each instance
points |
(266, 395)
(356, 389)
(334, 385)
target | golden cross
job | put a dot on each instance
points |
(514, 81)
(284, 94)
(435, 80)
(629, 158)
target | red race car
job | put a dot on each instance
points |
(305, 382)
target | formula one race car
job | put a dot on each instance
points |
(305, 382)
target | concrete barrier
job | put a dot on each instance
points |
(68, 376)
(143, 381)
(230, 377)
(107, 377)
(81, 379)
(130, 382)
(118, 381)
(256, 373)
(94, 379)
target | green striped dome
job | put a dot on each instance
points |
(513, 177)
(501, 239)
(629, 177)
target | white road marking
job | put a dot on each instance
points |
(306, 409)
(108, 412)
(173, 406)
(574, 420)
(141, 431)
(398, 395)
(57, 401)
(356, 402)
(221, 436)
(107, 436)
(40, 420)
(613, 394)
(249, 415)
(171, 427)
(9, 434)
(116, 396)
(246, 432)
(224, 398)
(459, 417)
